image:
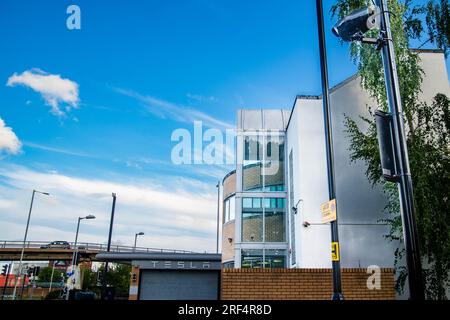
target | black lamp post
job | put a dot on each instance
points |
(105, 271)
(337, 287)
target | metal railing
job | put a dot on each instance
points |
(88, 246)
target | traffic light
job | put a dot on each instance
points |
(99, 277)
(4, 270)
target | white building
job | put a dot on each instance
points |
(281, 164)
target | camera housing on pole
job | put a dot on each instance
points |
(357, 23)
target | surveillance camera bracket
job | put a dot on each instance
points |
(379, 42)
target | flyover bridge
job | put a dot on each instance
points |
(36, 250)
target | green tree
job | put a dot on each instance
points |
(45, 274)
(89, 279)
(438, 23)
(119, 277)
(427, 128)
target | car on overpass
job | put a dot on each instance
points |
(56, 245)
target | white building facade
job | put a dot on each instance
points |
(271, 210)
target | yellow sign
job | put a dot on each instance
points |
(335, 251)
(328, 210)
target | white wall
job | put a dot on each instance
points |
(305, 137)
(360, 205)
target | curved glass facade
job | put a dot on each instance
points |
(261, 233)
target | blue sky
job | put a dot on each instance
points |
(142, 69)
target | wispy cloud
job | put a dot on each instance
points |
(165, 109)
(9, 143)
(58, 150)
(53, 89)
(179, 213)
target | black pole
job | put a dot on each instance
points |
(410, 234)
(337, 287)
(218, 216)
(105, 271)
(6, 281)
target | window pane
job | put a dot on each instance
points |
(251, 259)
(252, 220)
(274, 164)
(275, 258)
(229, 207)
(232, 207)
(225, 209)
(275, 220)
(252, 164)
(256, 203)
(247, 203)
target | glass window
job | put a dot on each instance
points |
(274, 164)
(251, 258)
(228, 265)
(225, 211)
(247, 203)
(275, 220)
(291, 204)
(274, 258)
(252, 164)
(252, 220)
(229, 208)
(232, 207)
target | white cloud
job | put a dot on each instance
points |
(54, 89)
(9, 142)
(165, 109)
(58, 150)
(177, 214)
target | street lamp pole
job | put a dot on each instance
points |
(51, 277)
(218, 216)
(105, 271)
(135, 239)
(410, 234)
(75, 247)
(24, 241)
(337, 287)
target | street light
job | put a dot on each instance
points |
(218, 216)
(135, 239)
(75, 249)
(25, 239)
(396, 140)
(336, 264)
(108, 248)
(75, 252)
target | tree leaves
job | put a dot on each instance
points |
(428, 135)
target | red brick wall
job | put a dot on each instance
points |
(302, 284)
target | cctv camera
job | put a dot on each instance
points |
(357, 23)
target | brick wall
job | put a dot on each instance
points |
(227, 246)
(302, 284)
(229, 185)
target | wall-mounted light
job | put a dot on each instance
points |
(295, 208)
(230, 240)
(306, 224)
